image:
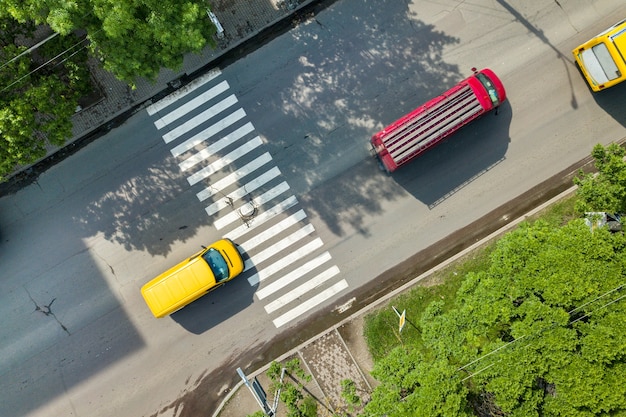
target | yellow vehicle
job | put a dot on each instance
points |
(192, 278)
(602, 60)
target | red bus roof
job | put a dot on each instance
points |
(430, 123)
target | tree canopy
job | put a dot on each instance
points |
(607, 190)
(133, 38)
(38, 95)
(539, 332)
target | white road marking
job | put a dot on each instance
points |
(182, 92)
(279, 246)
(220, 185)
(262, 218)
(302, 289)
(273, 231)
(242, 191)
(285, 280)
(208, 132)
(284, 249)
(256, 202)
(216, 147)
(287, 260)
(224, 161)
(310, 303)
(200, 118)
(192, 104)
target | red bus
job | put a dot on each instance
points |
(431, 123)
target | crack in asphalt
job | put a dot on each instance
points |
(46, 310)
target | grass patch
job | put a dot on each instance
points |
(558, 214)
(381, 326)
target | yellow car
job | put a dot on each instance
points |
(192, 278)
(602, 60)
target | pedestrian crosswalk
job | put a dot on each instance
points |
(247, 198)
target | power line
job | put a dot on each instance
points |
(597, 298)
(46, 63)
(29, 50)
(37, 45)
(543, 330)
(605, 305)
(66, 58)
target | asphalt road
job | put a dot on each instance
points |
(77, 245)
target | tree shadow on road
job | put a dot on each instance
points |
(352, 77)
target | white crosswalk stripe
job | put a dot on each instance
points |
(248, 198)
(221, 185)
(262, 218)
(302, 289)
(225, 160)
(287, 260)
(209, 132)
(181, 93)
(280, 246)
(270, 289)
(310, 303)
(191, 105)
(273, 231)
(243, 191)
(215, 147)
(199, 119)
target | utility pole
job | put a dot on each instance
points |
(259, 393)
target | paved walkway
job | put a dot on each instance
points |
(338, 354)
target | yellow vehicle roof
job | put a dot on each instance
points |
(620, 43)
(601, 59)
(178, 286)
(189, 280)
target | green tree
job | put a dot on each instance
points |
(544, 291)
(349, 392)
(133, 38)
(37, 97)
(607, 190)
(539, 332)
(297, 404)
(412, 384)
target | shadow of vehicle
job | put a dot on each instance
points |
(450, 166)
(216, 306)
(612, 102)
